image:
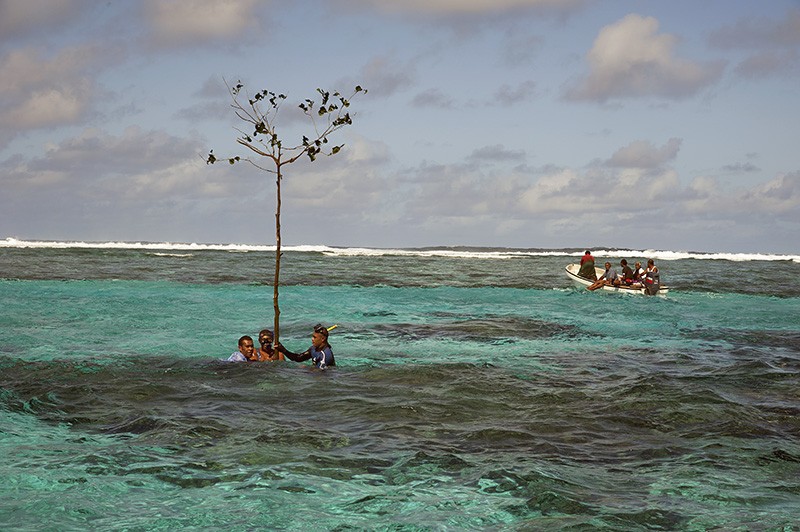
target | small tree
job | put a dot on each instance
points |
(260, 112)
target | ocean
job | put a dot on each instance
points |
(476, 389)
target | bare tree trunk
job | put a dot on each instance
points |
(277, 258)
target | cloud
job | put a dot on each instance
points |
(761, 32)
(472, 7)
(497, 153)
(140, 185)
(609, 194)
(779, 196)
(50, 107)
(433, 98)
(630, 59)
(741, 167)
(769, 63)
(33, 17)
(638, 198)
(136, 163)
(40, 92)
(521, 47)
(510, 95)
(190, 22)
(213, 88)
(384, 76)
(349, 183)
(213, 104)
(773, 45)
(642, 154)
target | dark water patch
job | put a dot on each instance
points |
(378, 314)
(303, 438)
(550, 502)
(649, 519)
(788, 341)
(490, 329)
(785, 456)
(139, 425)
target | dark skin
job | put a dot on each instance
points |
(247, 348)
(266, 353)
(319, 340)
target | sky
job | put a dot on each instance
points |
(494, 123)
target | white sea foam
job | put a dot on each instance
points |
(180, 255)
(464, 253)
(163, 246)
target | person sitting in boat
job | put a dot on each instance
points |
(608, 278)
(266, 353)
(638, 275)
(627, 273)
(245, 352)
(320, 352)
(587, 267)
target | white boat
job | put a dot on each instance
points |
(580, 282)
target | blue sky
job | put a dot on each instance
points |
(516, 123)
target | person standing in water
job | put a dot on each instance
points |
(245, 352)
(320, 352)
(265, 352)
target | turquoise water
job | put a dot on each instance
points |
(476, 391)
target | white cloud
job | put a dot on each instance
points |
(38, 91)
(27, 69)
(349, 183)
(135, 164)
(54, 106)
(616, 195)
(780, 196)
(631, 59)
(644, 194)
(192, 21)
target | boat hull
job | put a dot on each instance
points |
(580, 282)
